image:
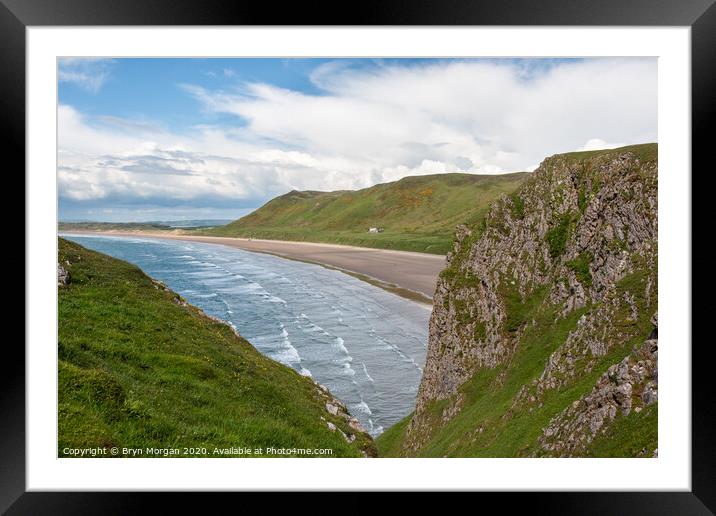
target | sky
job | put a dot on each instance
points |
(174, 139)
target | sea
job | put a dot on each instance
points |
(365, 344)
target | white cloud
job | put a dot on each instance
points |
(86, 72)
(596, 144)
(488, 113)
(99, 161)
(367, 126)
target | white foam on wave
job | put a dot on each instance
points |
(249, 287)
(363, 407)
(288, 354)
(337, 312)
(346, 360)
(366, 373)
(341, 344)
(255, 288)
(396, 350)
(227, 306)
(347, 369)
(205, 296)
(275, 299)
(309, 326)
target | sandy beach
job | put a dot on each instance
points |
(395, 270)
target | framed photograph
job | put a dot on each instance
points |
(427, 249)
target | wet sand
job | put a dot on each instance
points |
(399, 271)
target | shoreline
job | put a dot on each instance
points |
(407, 274)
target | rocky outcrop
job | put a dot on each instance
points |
(628, 386)
(340, 413)
(579, 237)
(63, 277)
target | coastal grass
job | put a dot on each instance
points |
(498, 411)
(489, 426)
(646, 152)
(113, 226)
(390, 441)
(437, 243)
(416, 213)
(139, 368)
(480, 430)
(635, 435)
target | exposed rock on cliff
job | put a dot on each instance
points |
(556, 284)
(63, 277)
(628, 386)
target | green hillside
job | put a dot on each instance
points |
(112, 226)
(417, 213)
(139, 367)
(544, 332)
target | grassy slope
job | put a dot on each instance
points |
(137, 369)
(418, 213)
(486, 428)
(489, 395)
(111, 226)
(635, 435)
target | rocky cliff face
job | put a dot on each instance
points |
(630, 385)
(563, 276)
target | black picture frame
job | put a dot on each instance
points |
(700, 15)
